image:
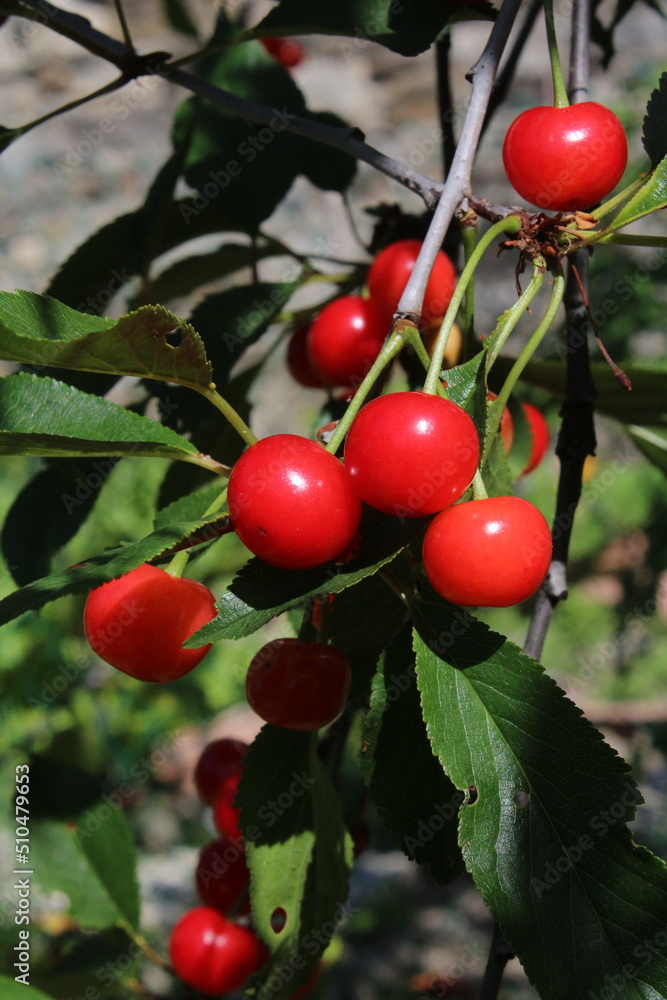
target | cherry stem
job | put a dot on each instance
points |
(511, 224)
(469, 235)
(560, 90)
(392, 346)
(144, 946)
(478, 487)
(230, 414)
(557, 291)
(511, 317)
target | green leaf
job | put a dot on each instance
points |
(8, 136)
(179, 18)
(68, 489)
(185, 275)
(11, 990)
(654, 135)
(546, 839)
(412, 794)
(190, 507)
(325, 167)
(362, 621)
(405, 28)
(651, 197)
(108, 259)
(150, 343)
(98, 569)
(230, 321)
(261, 592)
(652, 443)
(646, 404)
(242, 169)
(40, 416)
(93, 863)
(299, 851)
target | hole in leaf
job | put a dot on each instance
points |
(471, 796)
(278, 919)
(174, 337)
(520, 799)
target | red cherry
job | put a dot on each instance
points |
(298, 361)
(288, 52)
(225, 813)
(565, 158)
(298, 685)
(540, 436)
(491, 553)
(506, 424)
(410, 454)
(212, 954)
(139, 622)
(345, 339)
(389, 273)
(292, 503)
(218, 760)
(222, 875)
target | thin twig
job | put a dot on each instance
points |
(118, 4)
(577, 84)
(508, 69)
(347, 140)
(458, 180)
(499, 955)
(576, 440)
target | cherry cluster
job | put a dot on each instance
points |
(339, 346)
(213, 948)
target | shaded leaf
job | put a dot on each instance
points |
(654, 135)
(230, 321)
(59, 790)
(412, 794)
(261, 592)
(299, 851)
(546, 839)
(68, 489)
(242, 169)
(646, 404)
(407, 29)
(179, 18)
(108, 259)
(325, 167)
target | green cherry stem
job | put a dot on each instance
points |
(510, 224)
(560, 90)
(478, 487)
(511, 316)
(392, 346)
(229, 413)
(469, 234)
(557, 291)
